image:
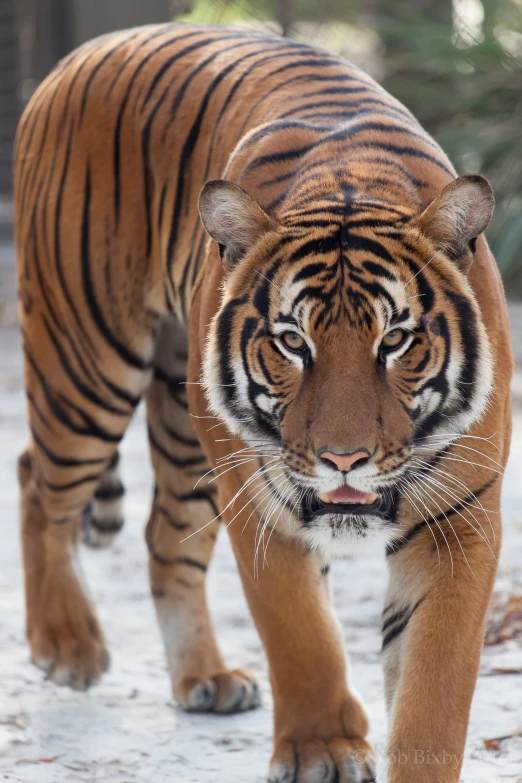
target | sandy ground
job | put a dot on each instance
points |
(128, 728)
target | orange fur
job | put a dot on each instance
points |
(120, 294)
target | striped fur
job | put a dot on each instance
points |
(341, 228)
(103, 517)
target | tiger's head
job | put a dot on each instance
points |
(347, 337)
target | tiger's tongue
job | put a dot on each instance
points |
(348, 495)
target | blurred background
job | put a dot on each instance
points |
(457, 64)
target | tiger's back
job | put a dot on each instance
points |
(142, 119)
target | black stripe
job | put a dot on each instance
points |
(178, 463)
(116, 154)
(393, 619)
(163, 31)
(365, 244)
(404, 617)
(145, 136)
(195, 495)
(277, 157)
(172, 522)
(317, 268)
(225, 331)
(109, 492)
(155, 80)
(115, 461)
(381, 271)
(56, 402)
(125, 353)
(72, 484)
(468, 330)
(186, 561)
(63, 462)
(97, 67)
(193, 134)
(57, 248)
(399, 150)
(189, 561)
(175, 435)
(38, 410)
(394, 633)
(283, 84)
(107, 526)
(79, 385)
(120, 393)
(366, 125)
(282, 52)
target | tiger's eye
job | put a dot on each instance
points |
(293, 341)
(393, 339)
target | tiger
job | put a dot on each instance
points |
(253, 236)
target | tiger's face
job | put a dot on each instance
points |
(345, 348)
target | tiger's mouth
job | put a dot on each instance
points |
(347, 501)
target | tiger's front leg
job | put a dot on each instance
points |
(433, 630)
(319, 723)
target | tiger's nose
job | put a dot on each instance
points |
(345, 462)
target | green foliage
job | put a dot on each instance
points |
(219, 12)
(464, 83)
(285, 12)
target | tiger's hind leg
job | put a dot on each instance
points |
(102, 518)
(181, 534)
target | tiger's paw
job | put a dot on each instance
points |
(340, 760)
(224, 693)
(66, 640)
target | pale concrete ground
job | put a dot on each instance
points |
(128, 729)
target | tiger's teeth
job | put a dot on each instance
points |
(325, 497)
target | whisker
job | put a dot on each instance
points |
(430, 493)
(423, 518)
(273, 527)
(250, 440)
(202, 383)
(213, 470)
(263, 498)
(254, 496)
(432, 469)
(457, 458)
(230, 502)
(244, 461)
(271, 505)
(273, 509)
(222, 423)
(418, 496)
(238, 451)
(460, 435)
(441, 486)
(274, 284)
(421, 269)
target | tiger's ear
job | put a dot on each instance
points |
(233, 219)
(456, 217)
